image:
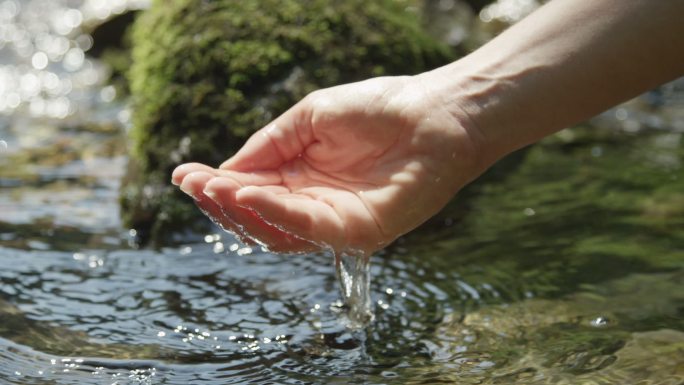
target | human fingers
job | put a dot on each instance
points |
(193, 184)
(259, 178)
(180, 172)
(308, 219)
(222, 190)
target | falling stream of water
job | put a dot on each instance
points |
(353, 276)
(514, 285)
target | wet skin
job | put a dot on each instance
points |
(349, 168)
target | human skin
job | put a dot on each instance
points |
(351, 168)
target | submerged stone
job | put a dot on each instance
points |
(537, 339)
(205, 75)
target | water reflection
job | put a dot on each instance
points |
(535, 275)
(508, 11)
(43, 68)
(231, 313)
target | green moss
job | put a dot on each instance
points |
(205, 75)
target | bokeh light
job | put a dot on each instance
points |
(44, 70)
(508, 11)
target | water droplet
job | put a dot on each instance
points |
(244, 251)
(599, 322)
(161, 334)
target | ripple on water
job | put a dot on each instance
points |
(190, 314)
(259, 316)
(44, 72)
(221, 313)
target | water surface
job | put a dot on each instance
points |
(563, 265)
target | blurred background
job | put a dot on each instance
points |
(570, 273)
(65, 104)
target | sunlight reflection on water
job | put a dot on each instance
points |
(43, 68)
(477, 304)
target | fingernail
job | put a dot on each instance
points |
(210, 194)
(186, 189)
(174, 179)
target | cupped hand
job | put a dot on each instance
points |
(348, 168)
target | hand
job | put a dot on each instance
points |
(349, 168)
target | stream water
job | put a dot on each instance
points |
(353, 275)
(563, 265)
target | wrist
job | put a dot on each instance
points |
(475, 107)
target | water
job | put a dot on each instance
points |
(44, 72)
(537, 276)
(563, 265)
(353, 274)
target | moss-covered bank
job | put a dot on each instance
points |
(206, 74)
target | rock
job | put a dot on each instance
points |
(599, 335)
(205, 75)
(111, 34)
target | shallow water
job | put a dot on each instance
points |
(563, 265)
(537, 274)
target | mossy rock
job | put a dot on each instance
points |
(206, 74)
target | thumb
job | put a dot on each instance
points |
(278, 142)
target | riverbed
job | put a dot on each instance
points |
(562, 265)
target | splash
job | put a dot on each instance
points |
(353, 275)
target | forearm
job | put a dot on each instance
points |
(568, 61)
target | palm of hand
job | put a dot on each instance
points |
(349, 168)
